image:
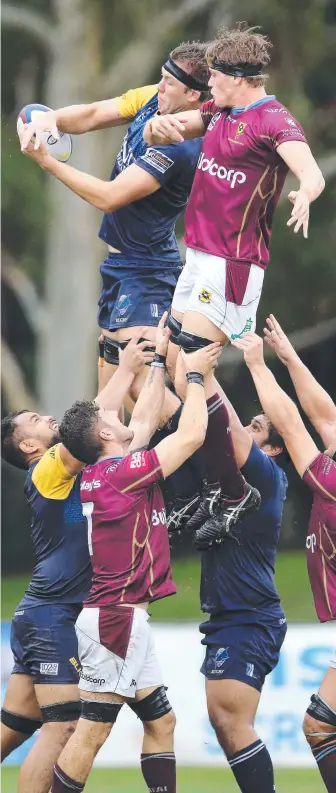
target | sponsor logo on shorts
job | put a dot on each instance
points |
(18, 613)
(154, 310)
(205, 296)
(74, 662)
(247, 326)
(250, 670)
(221, 656)
(133, 683)
(311, 542)
(123, 304)
(96, 680)
(157, 160)
(48, 668)
(232, 176)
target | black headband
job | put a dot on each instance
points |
(184, 77)
(238, 69)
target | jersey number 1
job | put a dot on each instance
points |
(87, 512)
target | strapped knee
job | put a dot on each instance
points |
(104, 712)
(190, 342)
(62, 711)
(19, 723)
(320, 711)
(175, 326)
(152, 707)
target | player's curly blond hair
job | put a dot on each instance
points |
(241, 45)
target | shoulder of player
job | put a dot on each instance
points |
(50, 477)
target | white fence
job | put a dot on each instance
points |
(304, 658)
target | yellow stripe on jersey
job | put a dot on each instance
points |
(129, 103)
(50, 476)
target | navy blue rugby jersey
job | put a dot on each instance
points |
(145, 228)
(62, 572)
(237, 578)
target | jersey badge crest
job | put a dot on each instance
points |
(205, 296)
(240, 129)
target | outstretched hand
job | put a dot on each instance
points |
(203, 360)
(40, 155)
(163, 334)
(252, 347)
(134, 356)
(277, 340)
(300, 211)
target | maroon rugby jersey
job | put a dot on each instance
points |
(127, 532)
(321, 538)
(238, 180)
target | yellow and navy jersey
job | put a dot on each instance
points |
(145, 228)
(62, 573)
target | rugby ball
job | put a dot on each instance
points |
(60, 148)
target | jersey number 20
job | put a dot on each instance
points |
(87, 512)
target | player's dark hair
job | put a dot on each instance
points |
(274, 438)
(78, 432)
(10, 441)
(193, 56)
(241, 45)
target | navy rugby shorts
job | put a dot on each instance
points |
(44, 643)
(133, 294)
(246, 652)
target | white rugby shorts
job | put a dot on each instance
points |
(202, 287)
(135, 668)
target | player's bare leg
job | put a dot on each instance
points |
(21, 710)
(198, 326)
(75, 761)
(319, 727)
(158, 762)
(232, 707)
(37, 769)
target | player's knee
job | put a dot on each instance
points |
(163, 727)
(58, 732)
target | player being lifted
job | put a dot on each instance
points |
(318, 471)
(43, 688)
(129, 548)
(147, 193)
(250, 143)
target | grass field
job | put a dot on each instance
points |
(189, 780)
(291, 578)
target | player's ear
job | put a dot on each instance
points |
(272, 451)
(106, 434)
(28, 446)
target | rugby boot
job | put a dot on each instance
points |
(224, 521)
(182, 510)
(209, 506)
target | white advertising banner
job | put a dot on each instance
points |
(304, 658)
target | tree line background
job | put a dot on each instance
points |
(61, 52)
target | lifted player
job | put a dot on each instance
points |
(250, 143)
(129, 546)
(43, 688)
(319, 473)
(147, 193)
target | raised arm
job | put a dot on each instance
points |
(190, 434)
(77, 119)
(174, 128)
(277, 405)
(315, 401)
(130, 185)
(298, 156)
(148, 409)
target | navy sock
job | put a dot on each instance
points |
(62, 783)
(159, 772)
(325, 756)
(218, 452)
(253, 768)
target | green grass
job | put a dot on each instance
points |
(189, 780)
(291, 578)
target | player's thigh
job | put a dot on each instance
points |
(20, 697)
(229, 700)
(327, 690)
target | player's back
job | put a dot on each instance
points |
(237, 582)
(144, 229)
(127, 531)
(62, 572)
(320, 477)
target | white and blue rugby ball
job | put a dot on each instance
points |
(60, 148)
